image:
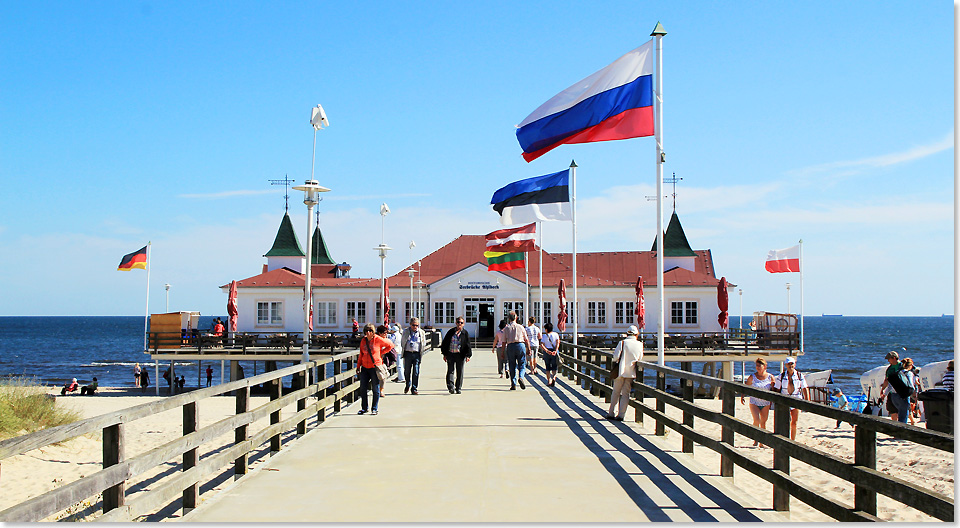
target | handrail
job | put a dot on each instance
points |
(593, 368)
(117, 470)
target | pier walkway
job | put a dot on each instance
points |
(544, 454)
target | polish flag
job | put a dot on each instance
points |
(784, 260)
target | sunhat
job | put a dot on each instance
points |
(790, 360)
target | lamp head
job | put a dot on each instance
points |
(318, 118)
(310, 189)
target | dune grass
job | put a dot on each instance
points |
(25, 408)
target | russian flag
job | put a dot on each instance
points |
(613, 103)
(783, 260)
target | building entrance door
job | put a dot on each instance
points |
(487, 328)
(471, 317)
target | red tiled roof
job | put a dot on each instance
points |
(617, 268)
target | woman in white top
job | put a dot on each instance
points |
(792, 383)
(533, 335)
(549, 344)
(760, 409)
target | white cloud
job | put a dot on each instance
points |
(852, 167)
(225, 194)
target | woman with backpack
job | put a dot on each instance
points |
(792, 383)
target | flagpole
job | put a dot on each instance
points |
(573, 210)
(526, 285)
(659, 32)
(540, 236)
(801, 296)
(146, 310)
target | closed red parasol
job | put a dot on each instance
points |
(232, 306)
(722, 303)
(562, 314)
(386, 303)
(640, 310)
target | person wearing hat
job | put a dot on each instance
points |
(628, 353)
(897, 406)
(792, 383)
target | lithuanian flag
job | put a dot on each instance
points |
(137, 259)
(500, 261)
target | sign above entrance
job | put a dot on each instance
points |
(479, 285)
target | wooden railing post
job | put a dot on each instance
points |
(321, 375)
(191, 423)
(240, 465)
(113, 454)
(608, 364)
(661, 405)
(637, 413)
(865, 454)
(337, 370)
(302, 402)
(275, 393)
(726, 433)
(687, 443)
(781, 460)
(581, 370)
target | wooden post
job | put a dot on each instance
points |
(322, 411)
(302, 402)
(275, 392)
(865, 455)
(580, 370)
(191, 423)
(637, 413)
(608, 364)
(661, 405)
(726, 434)
(337, 370)
(781, 460)
(240, 465)
(113, 454)
(687, 443)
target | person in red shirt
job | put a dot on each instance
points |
(372, 348)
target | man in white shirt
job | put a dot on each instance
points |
(628, 352)
(533, 337)
(412, 343)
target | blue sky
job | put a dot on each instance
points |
(123, 122)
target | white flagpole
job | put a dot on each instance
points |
(540, 236)
(526, 288)
(573, 209)
(801, 296)
(146, 311)
(659, 32)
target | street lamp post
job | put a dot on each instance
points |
(411, 272)
(741, 308)
(167, 287)
(788, 297)
(382, 248)
(310, 190)
(420, 284)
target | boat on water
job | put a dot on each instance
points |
(831, 315)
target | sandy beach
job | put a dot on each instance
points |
(33, 473)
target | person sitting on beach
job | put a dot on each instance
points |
(69, 387)
(792, 383)
(90, 390)
(759, 408)
(947, 380)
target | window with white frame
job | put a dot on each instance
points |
(326, 313)
(393, 311)
(471, 313)
(357, 310)
(683, 312)
(624, 312)
(270, 313)
(545, 316)
(571, 312)
(597, 312)
(516, 306)
(418, 310)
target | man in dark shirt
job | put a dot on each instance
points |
(455, 349)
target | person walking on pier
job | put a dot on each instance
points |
(500, 349)
(395, 335)
(455, 349)
(517, 345)
(792, 383)
(627, 353)
(759, 408)
(372, 348)
(412, 343)
(533, 337)
(898, 405)
(549, 344)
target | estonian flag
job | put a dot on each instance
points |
(497, 261)
(539, 198)
(137, 259)
(613, 103)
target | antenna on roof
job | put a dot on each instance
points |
(286, 191)
(674, 181)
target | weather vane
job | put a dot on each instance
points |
(286, 191)
(674, 181)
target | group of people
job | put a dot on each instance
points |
(517, 347)
(382, 346)
(86, 390)
(902, 385)
(790, 382)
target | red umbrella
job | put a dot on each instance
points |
(722, 303)
(640, 310)
(232, 306)
(562, 314)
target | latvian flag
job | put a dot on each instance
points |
(538, 198)
(500, 261)
(137, 259)
(516, 239)
(784, 260)
(613, 103)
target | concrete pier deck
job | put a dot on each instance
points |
(544, 454)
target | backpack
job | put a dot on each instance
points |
(783, 376)
(901, 384)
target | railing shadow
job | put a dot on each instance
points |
(585, 413)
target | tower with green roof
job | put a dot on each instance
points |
(677, 252)
(286, 251)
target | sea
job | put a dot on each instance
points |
(54, 349)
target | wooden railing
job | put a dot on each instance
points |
(292, 343)
(591, 368)
(118, 470)
(704, 342)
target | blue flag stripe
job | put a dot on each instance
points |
(537, 183)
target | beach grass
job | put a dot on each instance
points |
(26, 407)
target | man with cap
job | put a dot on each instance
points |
(628, 352)
(792, 383)
(897, 406)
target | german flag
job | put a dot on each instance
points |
(137, 259)
(500, 261)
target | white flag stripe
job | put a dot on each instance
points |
(523, 214)
(512, 238)
(784, 254)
